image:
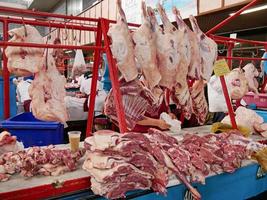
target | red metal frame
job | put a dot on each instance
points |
(101, 29)
(229, 42)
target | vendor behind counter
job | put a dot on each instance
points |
(77, 106)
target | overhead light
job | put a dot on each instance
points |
(237, 43)
(262, 49)
(251, 10)
(69, 51)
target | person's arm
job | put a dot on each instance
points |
(147, 121)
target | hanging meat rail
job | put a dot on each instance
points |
(101, 31)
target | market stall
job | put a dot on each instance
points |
(191, 163)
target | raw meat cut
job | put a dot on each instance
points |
(122, 46)
(200, 105)
(58, 54)
(182, 95)
(145, 50)
(168, 44)
(137, 100)
(24, 61)
(34, 161)
(251, 73)
(47, 92)
(208, 50)
(118, 163)
(245, 117)
(237, 83)
(8, 143)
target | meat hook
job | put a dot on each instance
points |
(49, 36)
(80, 37)
(72, 33)
(25, 30)
(66, 33)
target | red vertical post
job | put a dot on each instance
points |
(230, 54)
(113, 73)
(94, 81)
(6, 74)
(228, 102)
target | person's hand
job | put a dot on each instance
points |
(173, 116)
(163, 125)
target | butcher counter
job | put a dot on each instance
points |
(245, 182)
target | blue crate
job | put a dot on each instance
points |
(34, 132)
(12, 96)
(263, 114)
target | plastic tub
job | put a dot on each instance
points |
(12, 95)
(260, 102)
(263, 114)
(34, 132)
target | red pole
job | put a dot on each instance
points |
(94, 82)
(230, 18)
(6, 74)
(228, 102)
(227, 40)
(43, 14)
(21, 44)
(113, 73)
(240, 58)
(51, 24)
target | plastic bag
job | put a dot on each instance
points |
(79, 66)
(174, 123)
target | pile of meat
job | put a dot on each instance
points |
(250, 119)
(168, 57)
(47, 161)
(118, 163)
(47, 91)
(8, 143)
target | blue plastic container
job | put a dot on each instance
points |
(12, 96)
(263, 114)
(105, 79)
(34, 132)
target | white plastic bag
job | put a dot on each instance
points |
(174, 123)
(216, 98)
(79, 65)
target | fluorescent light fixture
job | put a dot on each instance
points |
(262, 49)
(69, 51)
(251, 10)
(237, 43)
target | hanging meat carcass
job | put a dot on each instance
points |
(24, 61)
(47, 92)
(122, 46)
(251, 73)
(167, 43)
(58, 54)
(182, 94)
(208, 50)
(146, 51)
(200, 104)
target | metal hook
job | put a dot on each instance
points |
(25, 30)
(66, 32)
(240, 64)
(80, 36)
(58, 32)
(72, 33)
(49, 36)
